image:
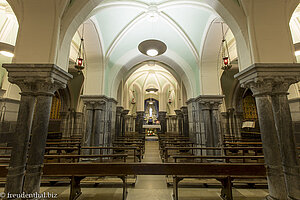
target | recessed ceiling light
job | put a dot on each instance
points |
(152, 47)
(7, 54)
(152, 52)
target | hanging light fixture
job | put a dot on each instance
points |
(80, 60)
(225, 52)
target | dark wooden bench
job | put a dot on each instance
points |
(221, 150)
(128, 143)
(227, 159)
(223, 172)
(76, 158)
(236, 144)
(137, 153)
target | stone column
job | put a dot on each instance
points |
(269, 84)
(38, 82)
(210, 120)
(100, 120)
(119, 120)
(64, 127)
(179, 121)
(206, 123)
(123, 121)
(162, 118)
(16, 170)
(139, 122)
(89, 117)
(216, 123)
(185, 118)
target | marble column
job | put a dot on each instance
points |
(123, 121)
(216, 124)
(119, 120)
(163, 122)
(100, 120)
(179, 121)
(185, 124)
(64, 126)
(139, 122)
(37, 82)
(269, 84)
(210, 120)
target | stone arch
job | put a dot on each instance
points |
(133, 66)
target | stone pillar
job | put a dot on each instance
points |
(179, 121)
(162, 118)
(64, 127)
(269, 84)
(209, 106)
(37, 82)
(185, 120)
(17, 165)
(216, 123)
(139, 122)
(123, 121)
(100, 120)
(119, 120)
(194, 131)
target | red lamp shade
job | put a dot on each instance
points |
(79, 61)
(225, 60)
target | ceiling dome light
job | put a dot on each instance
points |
(152, 52)
(7, 54)
(152, 47)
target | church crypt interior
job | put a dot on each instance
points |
(150, 99)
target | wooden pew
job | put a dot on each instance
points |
(243, 144)
(137, 153)
(126, 143)
(77, 157)
(223, 172)
(225, 158)
(221, 150)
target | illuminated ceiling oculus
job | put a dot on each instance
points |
(152, 47)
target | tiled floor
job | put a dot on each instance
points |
(152, 187)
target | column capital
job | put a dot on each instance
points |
(162, 113)
(37, 79)
(269, 78)
(125, 112)
(178, 112)
(184, 110)
(119, 110)
(96, 101)
(209, 102)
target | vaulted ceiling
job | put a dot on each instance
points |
(181, 25)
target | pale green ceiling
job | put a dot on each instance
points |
(181, 25)
(111, 23)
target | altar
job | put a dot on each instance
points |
(152, 126)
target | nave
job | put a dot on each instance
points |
(152, 187)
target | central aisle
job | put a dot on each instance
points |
(150, 187)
